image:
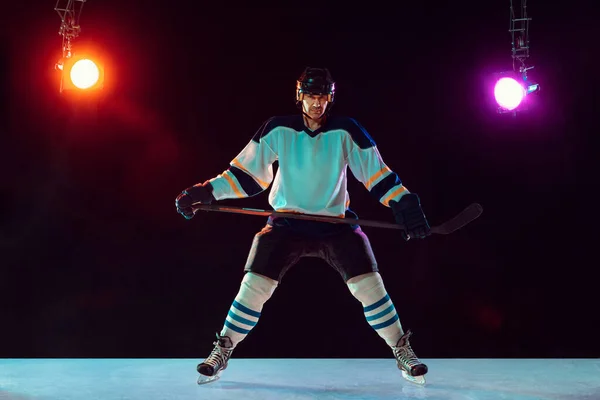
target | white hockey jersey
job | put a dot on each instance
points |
(312, 172)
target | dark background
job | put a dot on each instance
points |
(95, 262)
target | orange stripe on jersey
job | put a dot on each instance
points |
(240, 166)
(372, 179)
(391, 196)
(288, 210)
(235, 188)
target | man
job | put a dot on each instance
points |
(314, 151)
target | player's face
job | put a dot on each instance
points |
(315, 105)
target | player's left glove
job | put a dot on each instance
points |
(409, 214)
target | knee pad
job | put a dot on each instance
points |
(363, 286)
(259, 285)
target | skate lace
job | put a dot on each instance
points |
(405, 355)
(218, 357)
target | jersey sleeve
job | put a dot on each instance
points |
(251, 171)
(367, 165)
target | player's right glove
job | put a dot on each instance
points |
(201, 193)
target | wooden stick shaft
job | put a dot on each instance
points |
(309, 217)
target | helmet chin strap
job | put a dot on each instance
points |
(323, 117)
(307, 116)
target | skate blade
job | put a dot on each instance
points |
(203, 379)
(419, 380)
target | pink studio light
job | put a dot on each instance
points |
(509, 93)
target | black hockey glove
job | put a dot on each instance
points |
(195, 194)
(409, 214)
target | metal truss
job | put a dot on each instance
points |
(69, 12)
(519, 31)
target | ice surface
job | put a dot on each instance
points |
(282, 379)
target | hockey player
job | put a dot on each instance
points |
(314, 150)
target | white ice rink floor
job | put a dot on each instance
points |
(283, 379)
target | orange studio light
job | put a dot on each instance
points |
(82, 73)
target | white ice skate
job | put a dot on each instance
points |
(412, 369)
(210, 369)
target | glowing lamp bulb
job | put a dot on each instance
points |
(84, 74)
(509, 93)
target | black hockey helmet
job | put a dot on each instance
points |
(315, 81)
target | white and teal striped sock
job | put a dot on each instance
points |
(379, 309)
(245, 310)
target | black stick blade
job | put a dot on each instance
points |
(469, 214)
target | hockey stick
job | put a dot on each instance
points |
(469, 214)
